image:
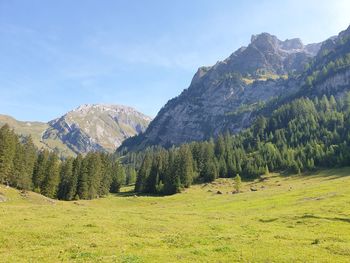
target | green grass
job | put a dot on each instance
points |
(289, 219)
(36, 130)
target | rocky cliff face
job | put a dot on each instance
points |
(97, 127)
(88, 128)
(222, 97)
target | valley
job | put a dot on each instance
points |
(298, 218)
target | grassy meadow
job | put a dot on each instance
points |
(301, 218)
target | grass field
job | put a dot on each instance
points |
(288, 219)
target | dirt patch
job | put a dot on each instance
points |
(2, 198)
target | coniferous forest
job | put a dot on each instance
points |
(299, 136)
(24, 167)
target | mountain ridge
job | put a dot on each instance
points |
(223, 97)
(89, 127)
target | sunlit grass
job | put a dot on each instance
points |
(288, 219)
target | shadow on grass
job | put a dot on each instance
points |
(325, 173)
(132, 193)
(341, 219)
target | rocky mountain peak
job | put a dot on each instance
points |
(96, 127)
(224, 96)
(264, 41)
(292, 44)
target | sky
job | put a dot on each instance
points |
(57, 55)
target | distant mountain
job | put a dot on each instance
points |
(93, 127)
(228, 95)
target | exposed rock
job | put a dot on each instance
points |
(227, 96)
(219, 192)
(221, 97)
(95, 127)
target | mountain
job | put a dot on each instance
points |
(94, 127)
(35, 130)
(228, 95)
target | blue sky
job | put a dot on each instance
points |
(56, 55)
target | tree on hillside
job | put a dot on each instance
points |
(130, 175)
(52, 177)
(39, 172)
(237, 183)
(8, 141)
(23, 164)
(82, 188)
(143, 173)
(118, 177)
(66, 176)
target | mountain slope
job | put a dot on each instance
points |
(36, 130)
(88, 128)
(224, 97)
(97, 127)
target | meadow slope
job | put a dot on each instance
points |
(301, 218)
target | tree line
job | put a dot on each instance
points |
(84, 177)
(299, 136)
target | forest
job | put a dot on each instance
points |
(84, 177)
(299, 136)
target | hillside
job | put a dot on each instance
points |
(227, 96)
(94, 127)
(288, 219)
(36, 130)
(97, 127)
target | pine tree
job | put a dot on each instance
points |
(184, 165)
(8, 142)
(94, 174)
(76, 170)
(52, 176)
(143, 173)
(39, 172)
(107, 171)
(172, 183)
(29, 159)
(210, 171)
(130, 175)
(237, 183)
(83, 187)
(118, 177)
(220, 147)
(222, 167)
(23, 164)
(66, 176)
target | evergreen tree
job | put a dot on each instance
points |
(143, 174)
(238, 183)
(66, 183)
(118, 177)
(7, 152)
(40, 168)
(52, 176)
(130, 175)
(76, 170)
(83, 187)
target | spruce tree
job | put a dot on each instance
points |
(76, 170)
(8, 142)
(82, 189)
(118, 177)
(237, 183)
(66, 176)
(52, 176)
(143, 173)
(39, 172)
